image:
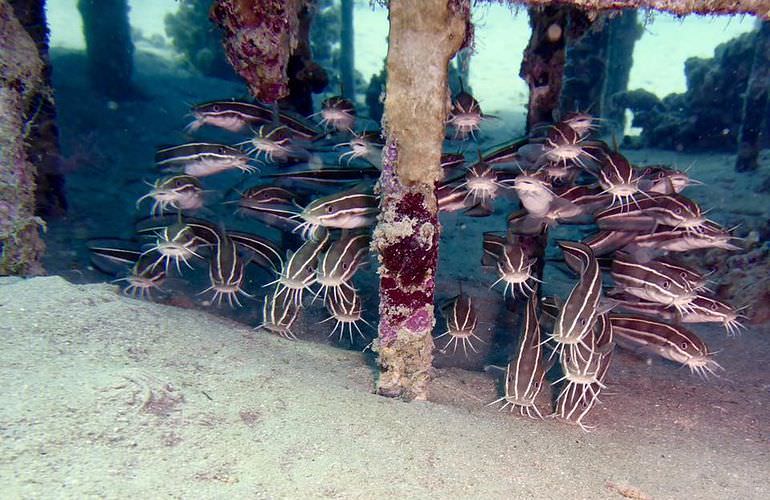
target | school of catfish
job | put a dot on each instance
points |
(325, 210)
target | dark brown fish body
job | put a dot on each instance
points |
(465, 116)
(181, 192)
(577, 316)
(233, 116)
(338, 113)
(672, 342)
(647, 214)
(525, 374)
(461, 321)
(651, 281)
(563, 144)
(345, 309)
(340, 262)
(200, 159)
(278, 315)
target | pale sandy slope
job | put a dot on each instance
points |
(109, 397)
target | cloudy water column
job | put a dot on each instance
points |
(424, 36)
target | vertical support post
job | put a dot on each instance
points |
(424, 35)
(347, 51)
(109, 46)
(543, 64)
(755, 103)
(21, 73)
(42, 145)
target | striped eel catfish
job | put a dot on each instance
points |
(665, 180)
(282, 216)
(360, 146)
(582, 363)
(702, 309)
(272, 142)
(651, 281)
(338, 113)
(345, 308)
(465, 116)
(261, 251)
(672, 342)
(607, 242)
(534, 192)
(278, 315)
(514, 264)
(589, 198)
(618, 178)
(525, 373)
(693, 278)
(669, 239)
(450, 199)
(267, 194)
(226, 267)
(461, 321)
(299, 271)
(481, 182)
(200, 159)
(351, 209)
(326, 176)
(576, 401)
(582, 123)
(563, 144)
(576, 318)
(144, 274)
(657, 210)
(340, 262)
(706, 309)
(177, 242)
(233, 116)
(181, 192)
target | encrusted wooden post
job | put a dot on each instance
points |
(21, 74)
(755, 103)
(424, 36)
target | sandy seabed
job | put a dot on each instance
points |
(109, 397)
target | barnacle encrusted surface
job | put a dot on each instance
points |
(260, 35)
(424, 36)
(760, 8)
(20, 77)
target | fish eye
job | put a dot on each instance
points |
(537, 384)
(678, 211)
(714, 306)
(344, 265)
(179, 183)
(583, 322)
(666, 284)
(683, 275)
(215, 107)
(221, 150)
(329, 209)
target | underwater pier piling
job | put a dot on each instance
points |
(424, 36)
(21, 75)
(109, 46)
(755, 103)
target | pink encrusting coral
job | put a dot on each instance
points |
(407, 241)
